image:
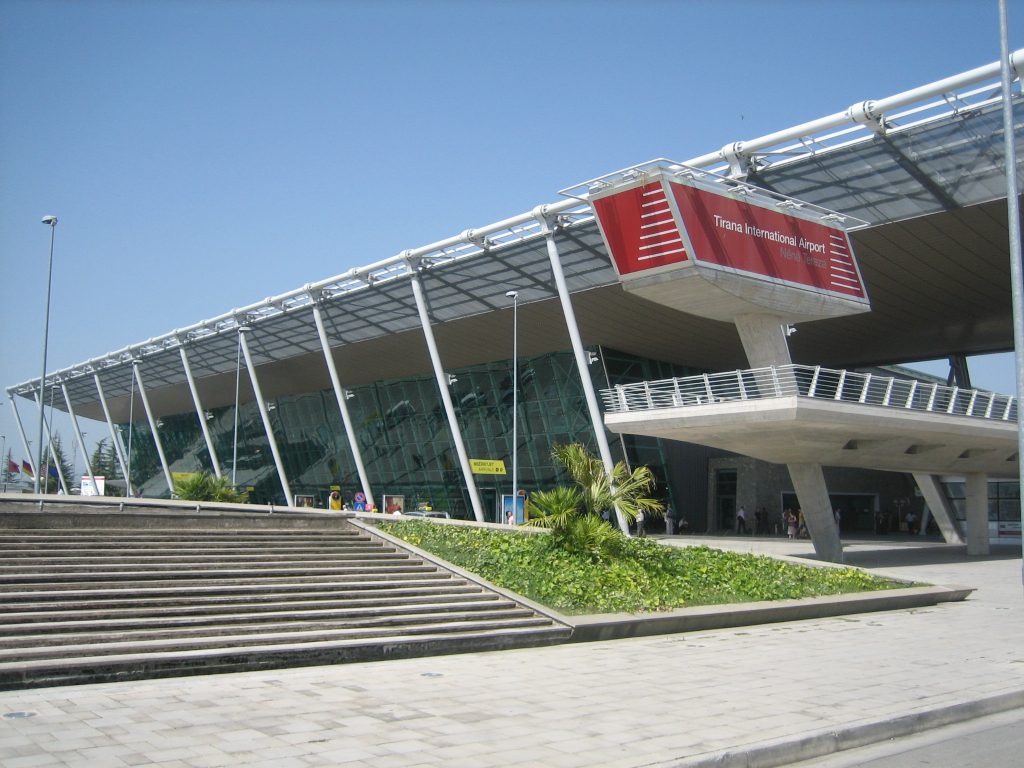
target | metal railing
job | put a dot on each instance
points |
(812, 382)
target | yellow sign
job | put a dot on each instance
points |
(487, 466)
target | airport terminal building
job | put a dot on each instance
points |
(621, 317)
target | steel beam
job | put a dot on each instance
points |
(265, 414)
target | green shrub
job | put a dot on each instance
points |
(636, 575)
(202, 486)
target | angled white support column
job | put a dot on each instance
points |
(977, 514)
(53, 454)
(153, 428)
(115, 436)
(941, 509)
(339, 394)
(265, 414)
(21, 432)
(79, 439)
(200, 413)
(446, 396)
(582, 365)
(811, 491)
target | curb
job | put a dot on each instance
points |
(788, 750)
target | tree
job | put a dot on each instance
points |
(104, 464)
(576, 516)
(51, 461)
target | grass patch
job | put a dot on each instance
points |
(643, 577)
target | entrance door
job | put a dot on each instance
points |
(725, 498)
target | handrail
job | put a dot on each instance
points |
(812, 382)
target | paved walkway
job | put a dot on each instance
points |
(756, 696)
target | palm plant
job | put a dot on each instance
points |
(575, 515)
(603, 491)
(202, 486)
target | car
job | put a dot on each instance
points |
(426, 513)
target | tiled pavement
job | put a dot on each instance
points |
(761, 695)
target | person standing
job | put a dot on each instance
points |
(741, 521)
(670, 520)
(640, 530)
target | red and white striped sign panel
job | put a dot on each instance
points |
(669, 221)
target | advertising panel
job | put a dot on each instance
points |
(93, 485)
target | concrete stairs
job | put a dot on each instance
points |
(101, 597)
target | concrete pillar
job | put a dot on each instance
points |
(941, 509)
(766, 344)
(764, 340)
(809, 483)
(977, 514)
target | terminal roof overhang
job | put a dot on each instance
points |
(934, 258)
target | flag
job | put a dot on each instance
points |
(12, 467)
(52, 471)
(27, 469)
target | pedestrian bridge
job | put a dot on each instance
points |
(793, 414)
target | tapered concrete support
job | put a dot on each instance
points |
(941, 509)
(764, 340)
(977, 514)
(766, 344)
(809, 483)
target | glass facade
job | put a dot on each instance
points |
(404, 438)
(1003, 500)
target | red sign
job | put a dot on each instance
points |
(732, 233)
(668, 223)
(640, 229)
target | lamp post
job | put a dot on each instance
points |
(128, 491)
(234, 437)
(52, 222)
(514, 295)
(6, 469)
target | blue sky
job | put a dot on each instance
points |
(204, 155)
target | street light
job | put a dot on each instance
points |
(131, 419)
(52, 222)
(234, 438)
(514, 295)
(6, 469)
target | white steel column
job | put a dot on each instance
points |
(200, 413)
(152, 425)
(580, 354)
(21, 431)
(446, 397)
(266, 421)
(339, 394)
(53, 455)
(79, 438)
(115, 436)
